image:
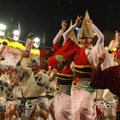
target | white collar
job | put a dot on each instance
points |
(89, 48)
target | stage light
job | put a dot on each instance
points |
(15, 38)
(2, 26)
(16, 32)
(36, 45)
(37, 40)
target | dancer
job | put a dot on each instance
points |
(33, 83)
(62, 102)
(14, 95)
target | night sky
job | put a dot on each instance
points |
(40, 16)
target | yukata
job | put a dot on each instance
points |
(5, 86)
(11, 97)
(82, 95)
(17, 91)
(34, 88)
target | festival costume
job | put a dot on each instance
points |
(33, 87)
(9, 96)
(62, 100)
(14, 95)
(5, 86)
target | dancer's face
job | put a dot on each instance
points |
(34, 65)
(85, 42)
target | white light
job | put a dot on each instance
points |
(2, 33)
(16, 32)
(36, 45)
(37, 40)
(77, 28)
(2, 27)
(15, 38)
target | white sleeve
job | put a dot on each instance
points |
(58, 37)
(24, 69)
(67, 33)
(98, 50)
(99, 35)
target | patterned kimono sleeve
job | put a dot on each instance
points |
(103, 79)
(21, 71)
(60, 58)
(27, 69)
(56, 47)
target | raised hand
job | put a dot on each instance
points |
(64, 25)
(78, 20)
(101, 58)
(89, 21)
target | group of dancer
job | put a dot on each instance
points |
(82, 85)
(84, 99)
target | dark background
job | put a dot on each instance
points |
(40, 16)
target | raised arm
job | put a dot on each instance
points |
(60, 33)
(19, 62)
(102, 79)
(67, 33)
(101, 59)
(98, 77)
(97, 31)
(21, 68)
